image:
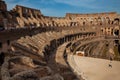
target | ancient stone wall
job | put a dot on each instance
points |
(93, 19)
(24, 17)
(3, 6)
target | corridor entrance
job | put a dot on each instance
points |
(116, 32)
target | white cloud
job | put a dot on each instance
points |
(80, 3)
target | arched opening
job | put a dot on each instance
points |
(116, 41)
(99, 19)
(8, 42)
(83, 23)
(91, 22)
(102, 31)
(70, 18)
(116, 20)
(26, 25)
(111, 31)
(112, 22)
(119, 48)
(34, 24)
(17, 15)
(116, 32)
(1, 28)
(71, 24)
(0, 45)
(2, 56)
(108, 20)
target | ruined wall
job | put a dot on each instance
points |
(95, 15)
(3, 7)
(27, 16)
(7, 18)
(31, 17)
(24, 17)
(93, 19)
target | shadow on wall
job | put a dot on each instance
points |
(2, 56)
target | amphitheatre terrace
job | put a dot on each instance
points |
(38, 47)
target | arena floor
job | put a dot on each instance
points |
(94, 68)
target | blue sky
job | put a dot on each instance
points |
(61, 7)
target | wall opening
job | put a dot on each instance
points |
(116, 20)
(83, 23)
(116, 41)
(8, 42)
(116, 32)
(2, 56)
(1, 28)
(0, 45)
(119, 48)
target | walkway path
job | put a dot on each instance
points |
(95, 69)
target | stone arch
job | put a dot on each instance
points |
(0, 44)
(26, 25)
(91, 22)
(116, 20)
(116, 32)
(102, 31)
(108, 20)
(40, 24)
(99, 21)
(99, 18)
(112, 31)
(85, 19)
(8, 42)
(95, 21)
(2, 56)
(1, 27)
(72, 24)
(112, 22)
(34, 24)
(83, 23)
(81, 18)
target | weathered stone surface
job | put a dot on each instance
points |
(26, 75)
(3, 6)
(24, 17)
(39, 55)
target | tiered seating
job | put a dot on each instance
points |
(91, 48)
(37, 43)
(40, 40)
(97, 50)
(34, 50)
(94, 47)
(88, 49)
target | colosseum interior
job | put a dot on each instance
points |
(38, 47)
